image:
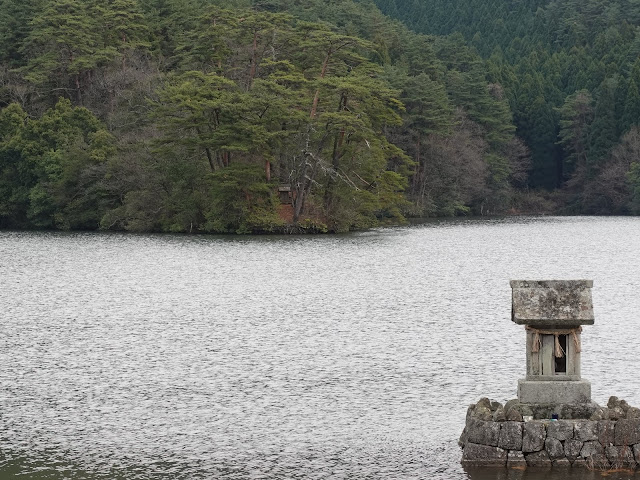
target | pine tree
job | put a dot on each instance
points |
(631, 115)
(602, 133)
(122, 24)
(541, 137)
(631, 107)
(16, 171)
(207, 47)
(63, 46)
(15, 17)
(576, 116)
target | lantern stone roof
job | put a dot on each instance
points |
(552, 303)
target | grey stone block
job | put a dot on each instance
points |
(482, 413)
(561, 463)
(541, 412)
(526, 410)
(616, 413)
(538, 459)
(579, 463)
(516, 459)
(498, 415)
(510, 436)
(578, 410)
(552, 303)
(589, 449)
(586, 431)
(606, 432)
(598, 462)
(482, 410)
(636, 452)
(514, 415)
(633, 413)
(511, 403)
(627, 432)
(572, 448)
(463, 438)
(561, 430)
(483, 433)
(534, 435)
(554, 448)
(470, 410)
(532, 391)
(620, 456)
(483, 456)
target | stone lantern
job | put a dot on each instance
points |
(553, 312)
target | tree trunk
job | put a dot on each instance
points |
(415, 180)
(323, 72)
(302, 190)
(298, 201)
(335, 157)
(78, 90)
(210, 159)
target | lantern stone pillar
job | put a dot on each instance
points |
(553, 312)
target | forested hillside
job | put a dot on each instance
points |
(571, 72)
(291, 115)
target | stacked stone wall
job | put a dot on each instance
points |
(498, 435)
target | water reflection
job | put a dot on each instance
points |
(147, 356)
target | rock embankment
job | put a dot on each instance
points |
(585, 435)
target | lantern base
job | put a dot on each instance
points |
(549, 392)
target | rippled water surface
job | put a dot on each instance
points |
(144, 356)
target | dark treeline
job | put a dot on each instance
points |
(292, 115)
(570, 70)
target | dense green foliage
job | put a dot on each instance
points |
(570, 71)
(308, 115)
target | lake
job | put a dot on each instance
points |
(332, 356)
